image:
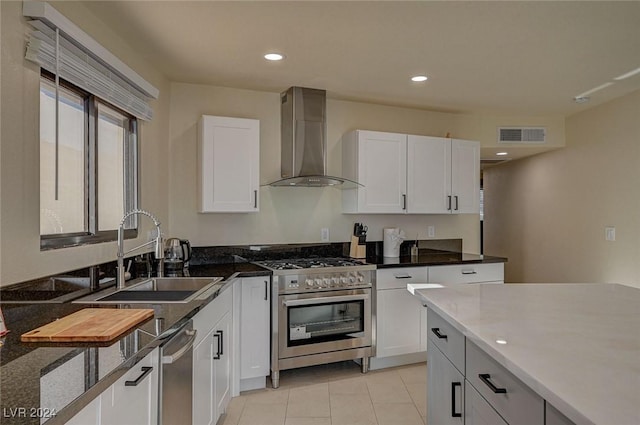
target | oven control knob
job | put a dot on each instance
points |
(326, 282)
(335, 281)
(344, 280)
(309, 282)
(360, 277)
(352, 279)
(318, 282)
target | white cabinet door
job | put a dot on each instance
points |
(428, 175)
(203, 406)
(255, 330)
(399, 323)
(380, 161)
(222, 366)
(465, 176)
(133, 399)
(229, 164)
(445, 389)
(210, 371)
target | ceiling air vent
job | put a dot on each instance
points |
(522, 135)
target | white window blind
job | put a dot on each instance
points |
(80, 66)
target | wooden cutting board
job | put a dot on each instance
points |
(89, 325)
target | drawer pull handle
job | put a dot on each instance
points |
(145, 371)
(437, 333)
(485, 377)
(403, 276)
(454, 414)
(469, 272)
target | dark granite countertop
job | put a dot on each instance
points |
(432, 258)
(29, 371)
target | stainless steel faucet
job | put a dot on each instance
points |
(159, 246)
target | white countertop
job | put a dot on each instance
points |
(576, 345)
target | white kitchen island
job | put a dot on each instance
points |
(577, 346)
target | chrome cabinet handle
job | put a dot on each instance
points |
(145, 371)
(485, 377)
(454, 414)
(469, 272)
(449, 203)
(255, 199)
(404, 201)
(403, 276)
(456, 202)
(437, 333)
(266, 290)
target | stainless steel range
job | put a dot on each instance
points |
(323, 313)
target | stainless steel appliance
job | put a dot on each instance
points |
(177, 256)
(323, 313)
(176, 377)
(303, 127)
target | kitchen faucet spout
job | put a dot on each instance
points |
(159, 246)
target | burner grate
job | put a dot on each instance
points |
(308, 263)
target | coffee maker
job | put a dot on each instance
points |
(176, 259)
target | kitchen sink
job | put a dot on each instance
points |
(55, 289)
(158, 290)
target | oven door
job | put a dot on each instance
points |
(322, 322)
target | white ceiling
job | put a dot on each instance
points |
(494, 57)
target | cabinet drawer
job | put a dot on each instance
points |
(470, 273)
(511, 398)
(476, 409)
(447, 338)
(397, 278)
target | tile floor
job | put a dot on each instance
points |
(337, 394)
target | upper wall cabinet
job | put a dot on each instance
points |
(378, 161)
(228, 164)
(410, 174)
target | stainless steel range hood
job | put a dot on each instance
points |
(304, 140)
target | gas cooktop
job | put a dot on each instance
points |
(308, 263)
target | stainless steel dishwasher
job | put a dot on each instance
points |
(176, 377)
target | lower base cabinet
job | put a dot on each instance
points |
(212, 361)
(477, 410)
(134, 397)
(445, 389)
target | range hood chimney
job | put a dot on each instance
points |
(303, 129)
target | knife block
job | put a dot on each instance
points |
(357, 250)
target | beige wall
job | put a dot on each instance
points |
(168, 162)
(292, 215)
(548, 213)
(19, 151)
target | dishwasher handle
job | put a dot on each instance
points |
(169, 359)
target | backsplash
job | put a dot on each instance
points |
(249, 253)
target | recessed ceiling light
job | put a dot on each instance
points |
(581, 99)
(501, 341)
(501, 153)
(419, 78)
(274, 56)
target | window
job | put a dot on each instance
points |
(89, 180)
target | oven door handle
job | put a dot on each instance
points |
(325, 300)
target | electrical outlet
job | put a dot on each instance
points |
(324, 234)
(431, 231)
(610, 233)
